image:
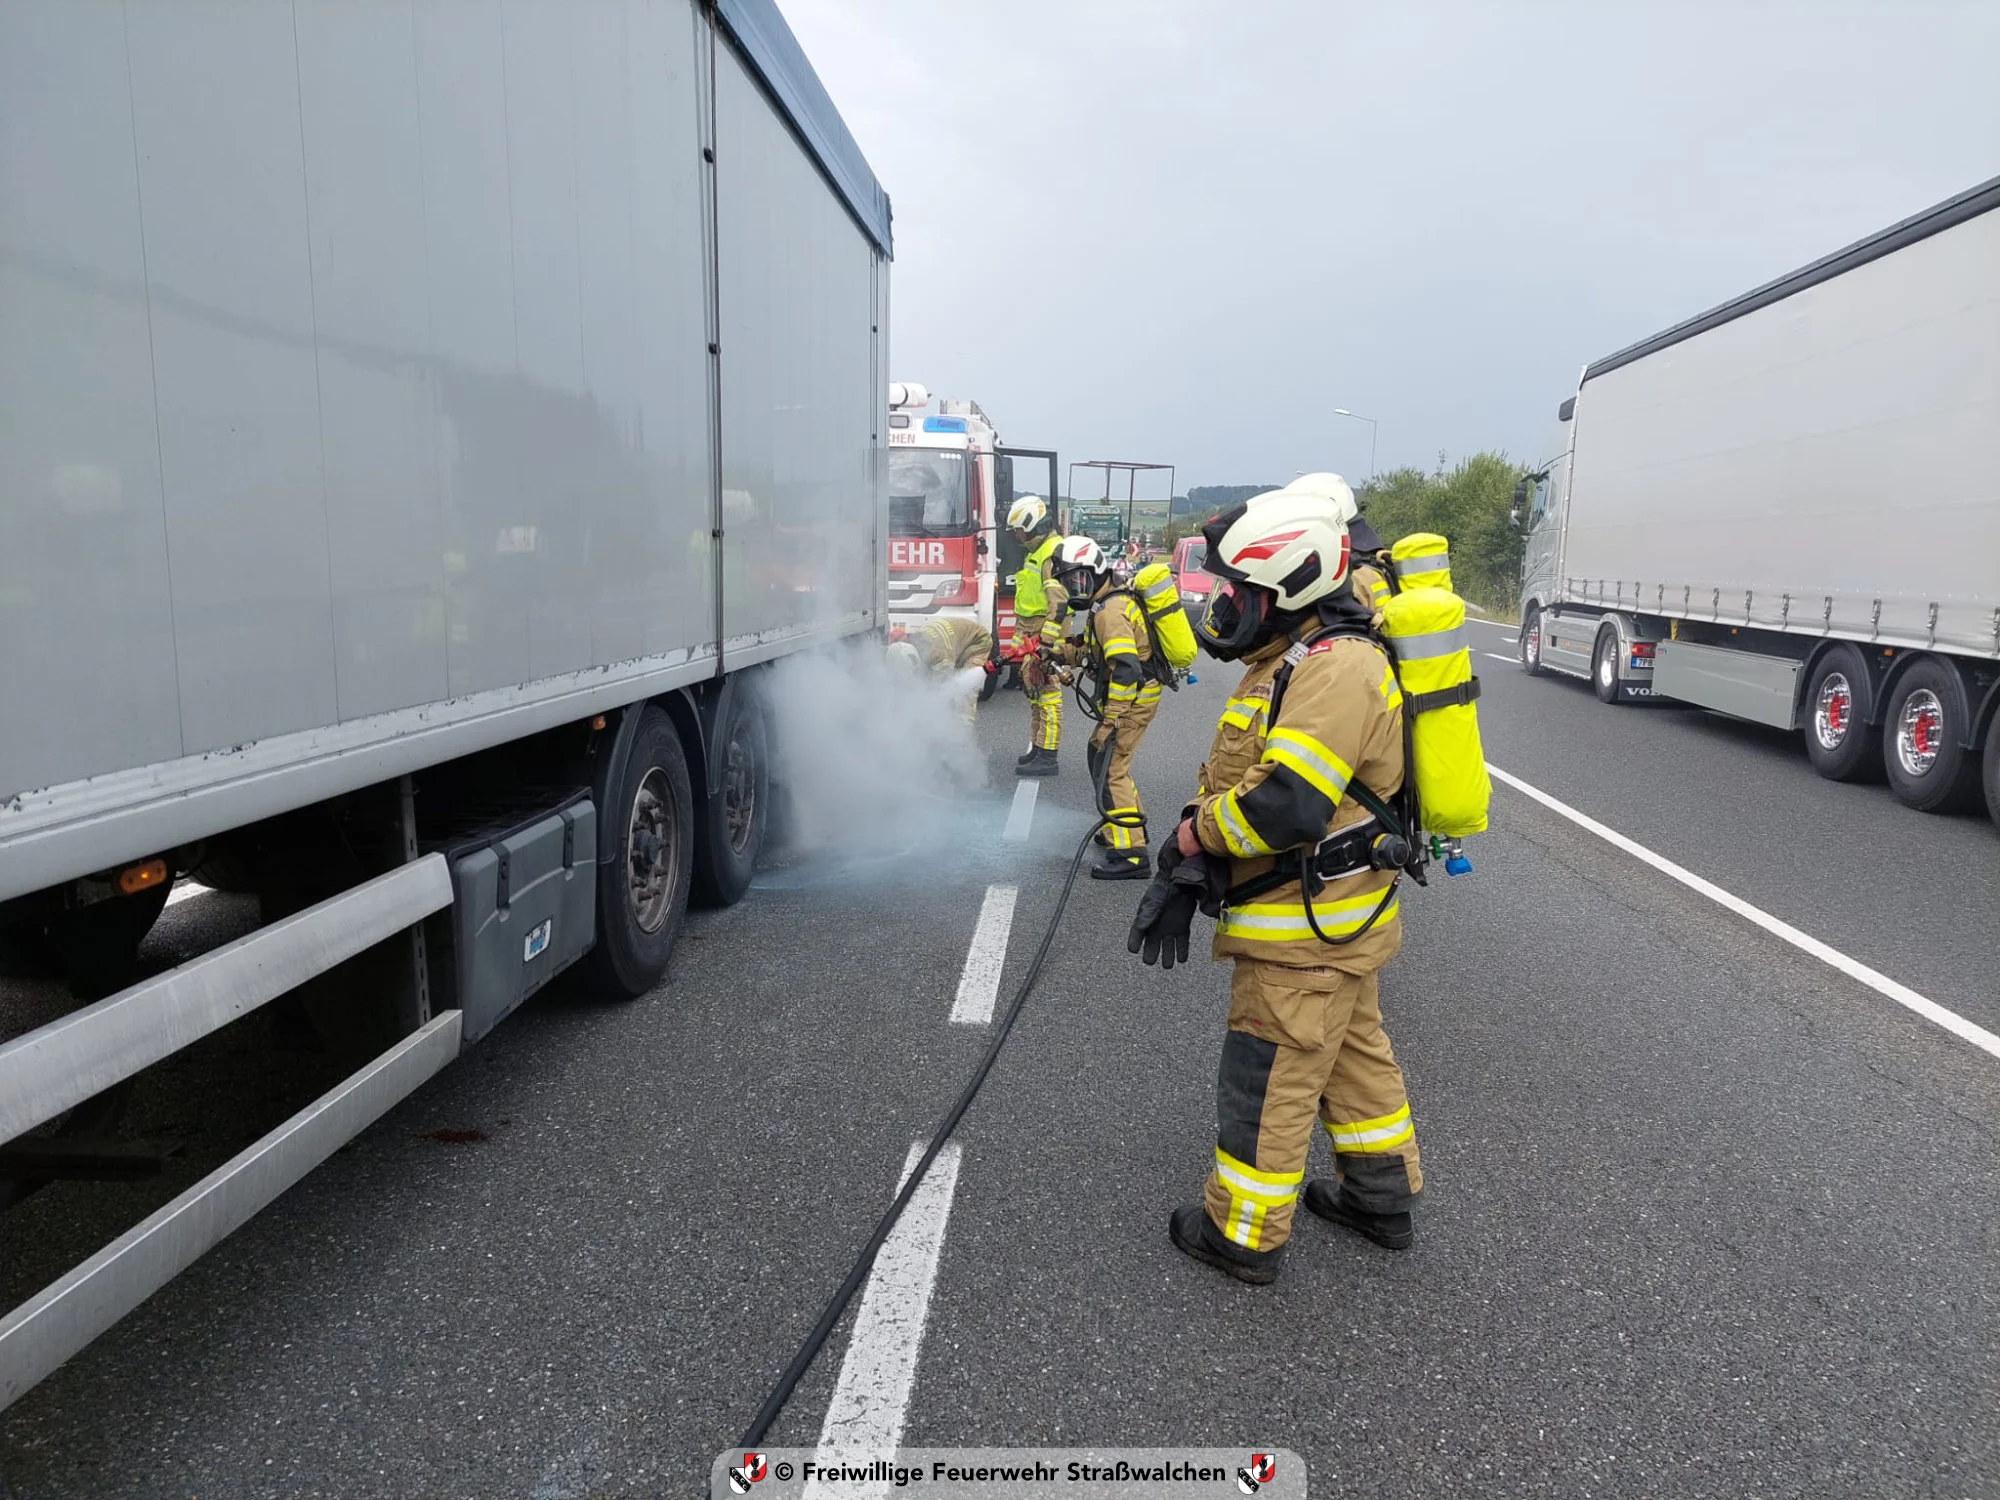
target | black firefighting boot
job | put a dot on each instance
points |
(1122, 864)
(1326, 1198)
(1192, 1233)
(1041, 763)
(1022, 760)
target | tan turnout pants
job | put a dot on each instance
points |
(1305, 1043)
(1121, 792)
(1045, 695)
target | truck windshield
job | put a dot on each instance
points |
(927, 493)
(1195, 554)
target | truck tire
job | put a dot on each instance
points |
(1923, 747)
(737, 816)
(1531, 643)
(97, 946)
(1604, 665)
(1839, 699)
(1990, 763)
(992, 683)
(642, 889)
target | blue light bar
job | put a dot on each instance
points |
(944, 424)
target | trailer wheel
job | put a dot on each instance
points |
(1923, 746)
(1604, 665)
(97, 946)
(738, 815)
(1531, 643)
(642, 889)
(1990, 763)
(1837, 703)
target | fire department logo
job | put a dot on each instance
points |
(753, 1469)
(1254, 1478)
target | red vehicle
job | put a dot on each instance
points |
(1190, 552)
(951, 481)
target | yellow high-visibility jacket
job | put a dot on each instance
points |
(1038, 609)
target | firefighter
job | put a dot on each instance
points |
(1115, 649)
(944, 646)
(1283, 788)
(1038, 629)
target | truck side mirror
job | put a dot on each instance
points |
(979, 544)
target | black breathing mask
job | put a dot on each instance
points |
(1237, 619)
(1080, 584)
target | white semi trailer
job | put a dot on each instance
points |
(420, 425)
(1788, 509)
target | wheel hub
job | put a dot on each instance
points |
(651, 841)
(739, 790)
(1920, 732)
(1834, 711)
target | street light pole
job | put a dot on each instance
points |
(1341, 411)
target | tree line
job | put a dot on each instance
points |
(1470, 504)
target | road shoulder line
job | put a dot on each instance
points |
(872, 1397)
(1022, 813)
(979, 981)
(1853, 968)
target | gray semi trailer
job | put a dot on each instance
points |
(1788, 509)
(420, 426)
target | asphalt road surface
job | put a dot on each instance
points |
(1705, 1215)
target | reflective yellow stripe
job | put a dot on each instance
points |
(1246, 1221)
(1150, 693)
(1267, 1187)
(1124, 835)
(1383, 1133)
(1389, 688)
(1312, 760)
(1237, 833)
(1123, 692)
(1121, 647)
(1377, 589)
(1285, 921)
(1245, 713)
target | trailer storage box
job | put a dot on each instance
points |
(523, 903)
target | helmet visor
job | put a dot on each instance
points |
(1233, 621)
(1080, 584)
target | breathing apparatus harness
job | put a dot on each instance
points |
(1386, 840)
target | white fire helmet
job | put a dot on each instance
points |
(1291, 546)
(1080, 566)
(903, 658)
(1328, 487)
(1027, 513)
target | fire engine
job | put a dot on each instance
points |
(951, 481)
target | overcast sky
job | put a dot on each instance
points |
(1184, 232)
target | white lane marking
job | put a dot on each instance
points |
(1022, 813)
(872, 1396)
(1854, 969)
(979, 981)
(1497, 656)
(187, 890)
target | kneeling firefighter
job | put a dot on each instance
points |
(1295, 841)
(1116, 651)
(945, 645)
(1038, 629)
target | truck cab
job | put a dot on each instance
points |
(951, 481)
(1612, 647)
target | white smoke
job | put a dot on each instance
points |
(875, 761)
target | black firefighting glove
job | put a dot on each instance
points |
(1165, 919)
